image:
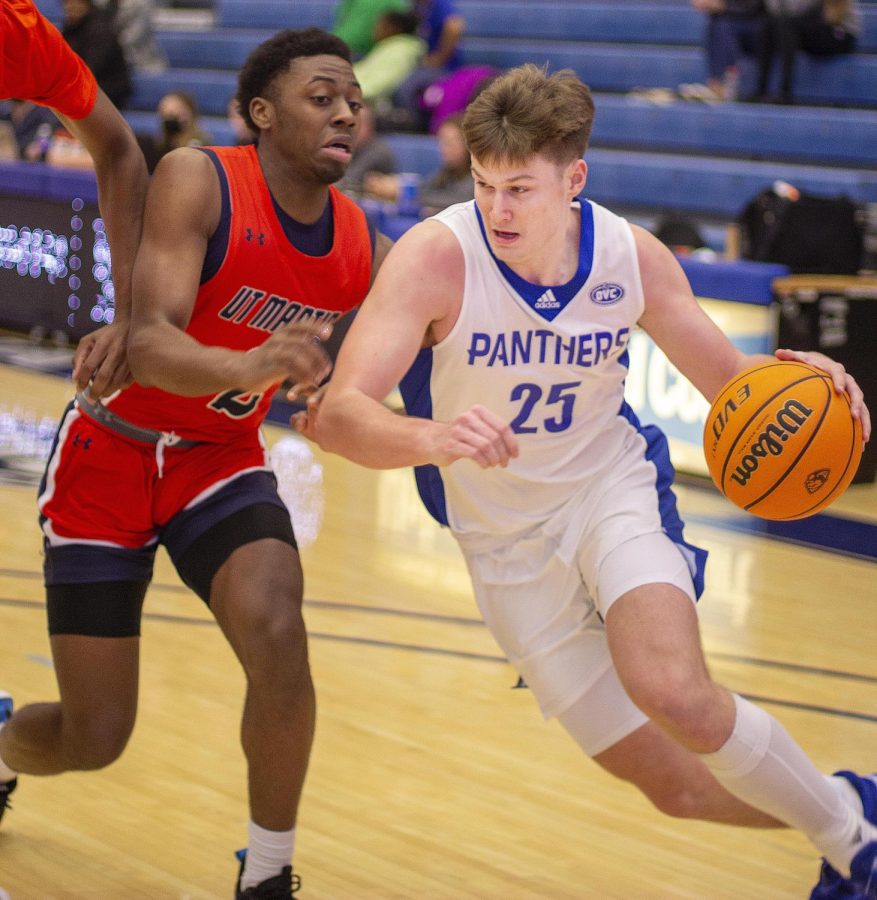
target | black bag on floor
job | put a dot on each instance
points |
(807, 233)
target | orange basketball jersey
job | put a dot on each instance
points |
(262, 284)
(37, 64)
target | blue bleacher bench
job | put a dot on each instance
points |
(221, 48)
(275, 14)
(212, 88)
(794, 133)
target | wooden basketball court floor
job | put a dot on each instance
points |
(431, 776)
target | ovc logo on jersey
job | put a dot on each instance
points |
(607, 293)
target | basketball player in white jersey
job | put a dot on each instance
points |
(511, 316)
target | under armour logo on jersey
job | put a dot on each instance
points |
(85, 442)
(547, 301)
(260, 237)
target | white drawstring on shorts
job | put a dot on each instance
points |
(167, 439)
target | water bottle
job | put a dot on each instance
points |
(44, 140)
(731, 83)
(409, 191)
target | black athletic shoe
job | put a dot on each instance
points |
(280, 887)
(6, 787)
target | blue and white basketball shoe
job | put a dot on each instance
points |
(862, 883)
(6, 787)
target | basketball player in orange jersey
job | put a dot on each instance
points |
(38, 65)
(248, 256)
(506, 321)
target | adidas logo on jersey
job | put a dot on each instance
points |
(547, 301)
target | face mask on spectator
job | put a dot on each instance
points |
(171, 126)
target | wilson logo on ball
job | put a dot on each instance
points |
(772, 440)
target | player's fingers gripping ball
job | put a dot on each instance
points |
(781, 442)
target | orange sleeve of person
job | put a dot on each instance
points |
(39, 65)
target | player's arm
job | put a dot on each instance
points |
(55, 76)
(675, 321)
(696, 345)
(121, 184)
(417, 290)
(182, 211)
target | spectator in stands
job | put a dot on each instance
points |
(452, 183)
(32, 127)
(355, 21)
(38, 136)
(90, 33)
(239, 127)
(442, 27)
(451, 94)
(732, 28)
(820, 27)
(393, 58)
(134, 23)
(179, 117)
(371, 154)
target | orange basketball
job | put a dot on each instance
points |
(780, 442)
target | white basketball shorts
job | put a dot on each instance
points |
(549, 623)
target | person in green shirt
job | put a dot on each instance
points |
(393, 58)
(356, 19)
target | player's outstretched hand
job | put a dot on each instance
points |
(101, 362)
(841, 379)
(294, 353)
(479, 435)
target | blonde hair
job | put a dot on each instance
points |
(527, 111)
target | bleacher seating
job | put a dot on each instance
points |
(212, 87)
(667, 181)
(275, 14)
(689, 157)
(653, 22)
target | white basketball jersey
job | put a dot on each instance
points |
(550, 361)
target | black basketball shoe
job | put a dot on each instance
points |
(280, 887)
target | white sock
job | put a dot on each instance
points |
(267, 853)
(847, 792)
(6, 774)
(761, 765)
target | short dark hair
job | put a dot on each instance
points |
(273, 57)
